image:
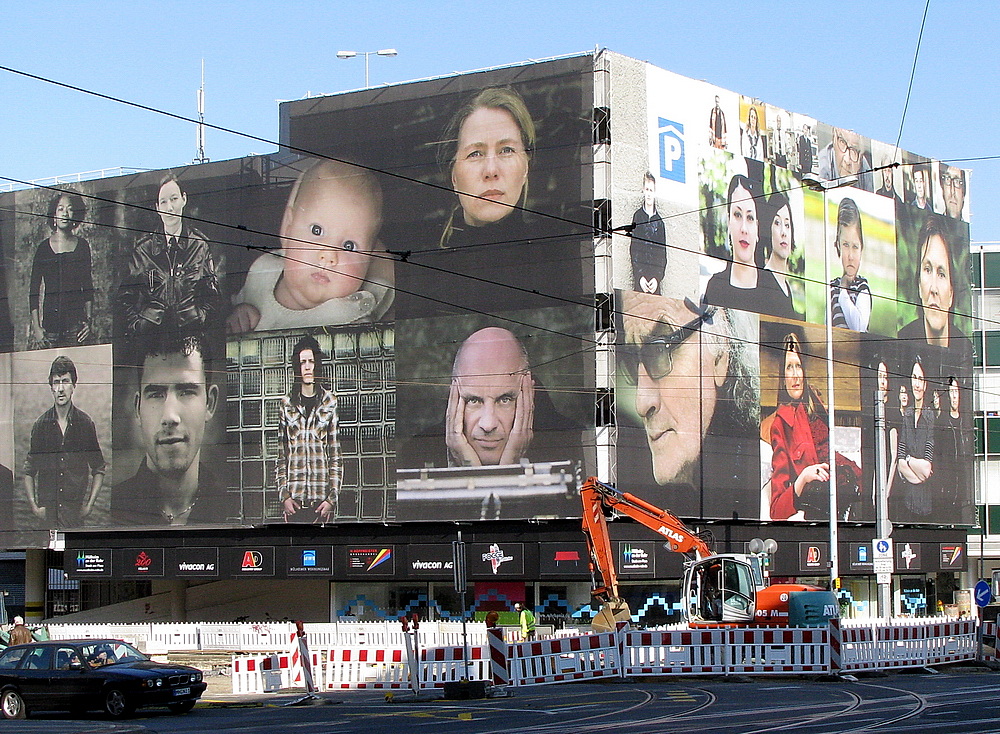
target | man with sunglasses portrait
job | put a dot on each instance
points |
(846, 155)
(695, 380)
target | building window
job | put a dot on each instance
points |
(992, 357)
(991, 269)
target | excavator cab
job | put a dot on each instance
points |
(722, 589)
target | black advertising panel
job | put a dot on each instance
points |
(861, 560)
(814, 557)
(908, 557)
(369, 561)
(249, 561)
(194, 562)
(952, 557)
(566, 560)
(429, 560)
(490, 560)
(636, 558)
(309, 560)
(141, 562)
(465, 454)
(89, 563)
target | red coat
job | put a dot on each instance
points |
(797, 441)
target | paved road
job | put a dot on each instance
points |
(961, 699)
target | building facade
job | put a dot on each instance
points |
(294, 378)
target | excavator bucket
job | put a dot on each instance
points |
(611, 613)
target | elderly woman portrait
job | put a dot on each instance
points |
(693, 372)
(61, 290)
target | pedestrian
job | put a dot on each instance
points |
(492, 617)
(527, 620)
(19, 634)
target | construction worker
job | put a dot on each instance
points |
(527, 619)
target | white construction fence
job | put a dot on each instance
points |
(354, 655)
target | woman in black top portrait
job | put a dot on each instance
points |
(492, 136)
(744, 284)
(61, 291)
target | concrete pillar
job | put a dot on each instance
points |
(34, 585)
(178, 601)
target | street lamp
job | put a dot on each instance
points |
(815, 183)
(366, 54)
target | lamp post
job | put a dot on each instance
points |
(822, 186)
(366, 54)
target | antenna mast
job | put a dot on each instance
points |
(200, 130)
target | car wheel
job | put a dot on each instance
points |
(181, 708)
(116, 705)
(13, 706)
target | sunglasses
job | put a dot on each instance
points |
(656, 353)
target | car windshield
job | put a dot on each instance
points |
(110, 652)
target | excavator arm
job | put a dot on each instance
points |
(597, 498)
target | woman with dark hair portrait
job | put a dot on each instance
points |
(61, 290)
(800, 443)
(490, 142)
(912, 496)
(743, 284)
(778, 248)
(936, 288)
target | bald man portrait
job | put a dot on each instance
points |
(491, 404)
(484, 437)
(498, 412)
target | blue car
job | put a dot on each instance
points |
(90, 675)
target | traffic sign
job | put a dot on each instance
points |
(983, 593)
(882, 558)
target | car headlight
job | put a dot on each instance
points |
(196, 678)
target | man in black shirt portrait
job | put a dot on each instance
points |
(64, 469)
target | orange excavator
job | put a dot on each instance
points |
(719, 590)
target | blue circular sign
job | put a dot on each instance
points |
(983, 593)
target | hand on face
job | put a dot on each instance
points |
(522, 432)
(492, 432)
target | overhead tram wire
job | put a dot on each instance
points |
(302, 151)
(257, 248)
(403, 257)
(913, 72)
(585, 226)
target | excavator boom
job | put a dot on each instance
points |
(597, 497)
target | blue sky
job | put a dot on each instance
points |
(845, 63)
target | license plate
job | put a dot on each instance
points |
(182, 691)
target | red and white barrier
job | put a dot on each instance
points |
(882, 645)
(499, 672)
(569, 658)
(877, 645)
